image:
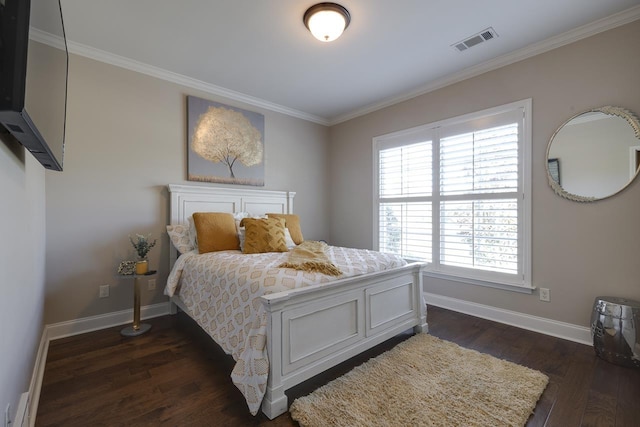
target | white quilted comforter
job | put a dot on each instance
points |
(221, 290)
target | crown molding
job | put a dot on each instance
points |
(601, 25)
(579, 33)
(150, 70)
(46, 38)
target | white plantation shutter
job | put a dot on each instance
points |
(404, 216)
(453, 194)
(482, 232)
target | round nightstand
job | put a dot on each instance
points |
(136, 328)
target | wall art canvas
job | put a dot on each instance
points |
(225, 144)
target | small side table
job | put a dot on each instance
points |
(615, 330)
(136, 328)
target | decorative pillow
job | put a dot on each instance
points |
(288, 241)
(263, 235)
(239, 216)
(292, 222)
(180, 237)
(216, 231)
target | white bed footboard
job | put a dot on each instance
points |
(312, 329)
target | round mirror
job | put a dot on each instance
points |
(594, 154)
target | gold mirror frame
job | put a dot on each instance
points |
(625, 114)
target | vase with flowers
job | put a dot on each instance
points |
(142, 245)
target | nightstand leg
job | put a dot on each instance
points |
(136, 304)
(136, 328)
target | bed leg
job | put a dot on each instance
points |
(274, 403)
(423, 327)
(173, 308)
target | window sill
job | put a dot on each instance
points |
(524, 289)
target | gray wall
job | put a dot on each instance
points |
(22, 223)
(126, 139)
(579, 251)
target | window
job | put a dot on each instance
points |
(456, 194)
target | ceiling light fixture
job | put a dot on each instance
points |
(326, 21)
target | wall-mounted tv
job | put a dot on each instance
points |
(34, 64)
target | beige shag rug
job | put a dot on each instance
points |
(425, 381)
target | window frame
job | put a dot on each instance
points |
(520, 282)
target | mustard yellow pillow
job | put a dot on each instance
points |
(216, 231)
(263, 235)
(292, 222)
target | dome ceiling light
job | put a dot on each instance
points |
(326, 21)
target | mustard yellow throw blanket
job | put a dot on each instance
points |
(311, 256)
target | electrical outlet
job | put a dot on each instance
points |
(151, 284)
(104, 291)
(544, 294)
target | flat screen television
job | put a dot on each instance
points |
(34, 64)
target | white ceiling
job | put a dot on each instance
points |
(260, 52)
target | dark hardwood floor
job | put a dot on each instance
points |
(176, 376)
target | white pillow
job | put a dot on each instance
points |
(239, 216)
(184, 236)
(180, 237)
(193, 235)
(288, 240)
(241, 237)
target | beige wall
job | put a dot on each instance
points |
(579, 251)
(126, 139)
(22, 227)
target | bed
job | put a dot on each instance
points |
(356, 313)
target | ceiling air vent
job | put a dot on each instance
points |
(476, 39)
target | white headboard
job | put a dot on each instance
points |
(187, 199)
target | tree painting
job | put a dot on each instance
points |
(225, 137)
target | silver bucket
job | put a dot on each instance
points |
(615, 330)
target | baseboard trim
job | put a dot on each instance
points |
(36, 378)
(103, 321)
(554, 328)
(22, 416)
(76, 327)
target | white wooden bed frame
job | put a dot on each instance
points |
(312, 329)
